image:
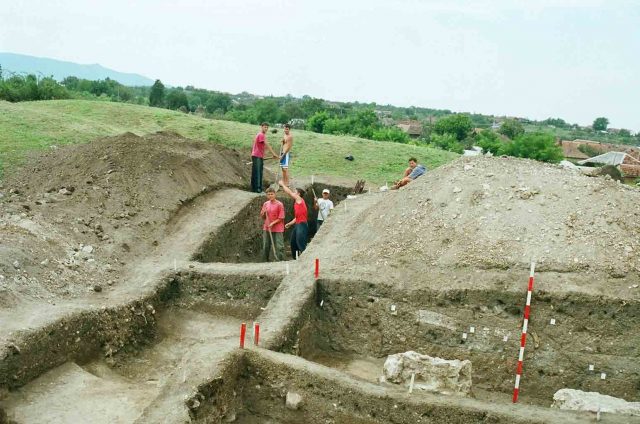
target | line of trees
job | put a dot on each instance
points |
(440, 128)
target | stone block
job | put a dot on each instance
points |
(431, 374)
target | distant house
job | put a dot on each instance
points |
(628, 164)
(411, 127)
(575, 150)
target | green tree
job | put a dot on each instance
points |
(218, 102)
(458, 125)
(311, 106)
(394, 134)
(624, 133)
(512, 128)
(316, 122)
(50, 89)
(489, 141)
(156, 96)
(539, 146)
(265, 110)
(556, 122)
(600, 124)
(337, 126)
(291, 110)
(177, 99)
(447, 141)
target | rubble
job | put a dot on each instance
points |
(431, 374)
(577, 400)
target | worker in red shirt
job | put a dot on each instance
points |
(257, 157)
(273, 229)
(300, 231)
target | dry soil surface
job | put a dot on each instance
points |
(73, 218)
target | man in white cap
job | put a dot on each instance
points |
(323, 206)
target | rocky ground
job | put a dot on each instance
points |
(499, 214)
(73, 217)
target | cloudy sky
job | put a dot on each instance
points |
(574, 59)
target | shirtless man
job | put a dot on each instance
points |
(285, 153)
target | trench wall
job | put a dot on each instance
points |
(362, 319)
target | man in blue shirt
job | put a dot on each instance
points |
(411, 173)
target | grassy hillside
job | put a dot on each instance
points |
(29, 126)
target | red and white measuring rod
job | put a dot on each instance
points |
(523, 337)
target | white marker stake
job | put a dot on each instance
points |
(553, 321)
(464, 336)
(321, 303)
(591, 367)
(312, 180)
(472, 330)
(505, 338)
(413, 379)
(603, 376)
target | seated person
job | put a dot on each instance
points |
(411, 173)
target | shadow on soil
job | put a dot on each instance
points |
(241, 241)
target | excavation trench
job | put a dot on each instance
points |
(359, 324)
(240, 240)
(256, 384)
(113, 364)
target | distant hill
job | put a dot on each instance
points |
(60, 69)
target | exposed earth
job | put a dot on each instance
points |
(128, 264)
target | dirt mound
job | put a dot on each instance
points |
(72, 217)
(499, 213)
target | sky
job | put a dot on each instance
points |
(573, 59)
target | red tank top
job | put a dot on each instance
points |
(300, 212)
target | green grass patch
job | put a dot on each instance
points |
(30, 126)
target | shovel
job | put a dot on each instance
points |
(275, 186)
(273, 246)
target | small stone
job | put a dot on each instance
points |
(87, 249)
(64, 192)
(97, 288)
(16, 264)
(457, 190)
(293, 401)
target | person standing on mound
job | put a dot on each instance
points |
(257, 158)
(300, 231)
(285, 156)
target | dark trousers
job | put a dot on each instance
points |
(299, 237)
(257, 166)
(319, 224)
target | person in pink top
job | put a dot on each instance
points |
(273, 228)
(257, 158)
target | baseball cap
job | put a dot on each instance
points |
(326, 190)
